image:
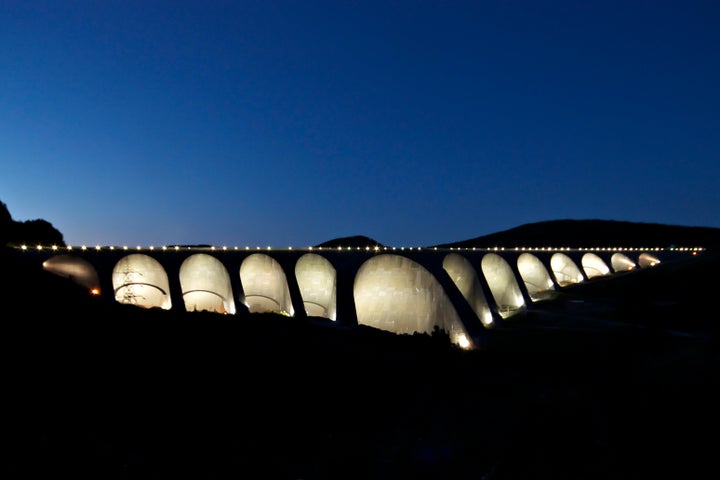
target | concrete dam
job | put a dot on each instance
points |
(462, 291)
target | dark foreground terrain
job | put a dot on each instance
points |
(613, 379)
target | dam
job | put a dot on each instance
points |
(462, 291)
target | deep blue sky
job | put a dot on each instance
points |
(289, 123)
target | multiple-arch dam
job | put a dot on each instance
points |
(463, 291)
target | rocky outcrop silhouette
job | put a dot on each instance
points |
(30, 232)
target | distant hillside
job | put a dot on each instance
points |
(594, 233)
(353, 241)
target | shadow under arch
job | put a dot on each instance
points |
(76, 269)
(503, 284)
(465, 277)
(205, 285)
(565, 270)
(265, 285)
(317, 281)
(535, 276)
(396, 294)
(140, 280)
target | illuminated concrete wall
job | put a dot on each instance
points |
(141, 280)
(74, 268)
(316, 279)
(535, 276)
(621, 262)
(647, 260)
(503, 284)
(265, 285)
(565, 270)
(205, 284)
(396, 294)
(465, 278)
(594, 266)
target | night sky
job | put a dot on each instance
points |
(289, 123)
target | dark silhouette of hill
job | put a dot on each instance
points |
(595, 233)
(352, 241)
(29, 232)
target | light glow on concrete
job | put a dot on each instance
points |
(316, 279)
(140, 280)
(205, 284)
(565, 270)
(535, 276)
(74, 268)
(465, 278)
(396, 294)
(265, 285)
(594, 266)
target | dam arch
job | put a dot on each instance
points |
(205, 285)
(265, 285)
(76, 269)
(535, 276)
(396, 294)
(594, 266)
(503, 284)
(317, 281)
(141, 280)
(465, 278)
(565, 270)
(647, 260)
(621, 262)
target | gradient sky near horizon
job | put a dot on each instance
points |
(290, 123)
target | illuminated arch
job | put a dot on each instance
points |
(205, 285)
(621, 262)
(647, 260)
(565, 270)
(316, 279)
(396, 294)
(76, 269)
(141, 280)
(503, 284)
(594, 266)
(265, 285)
(535, 276)
(465, 278)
